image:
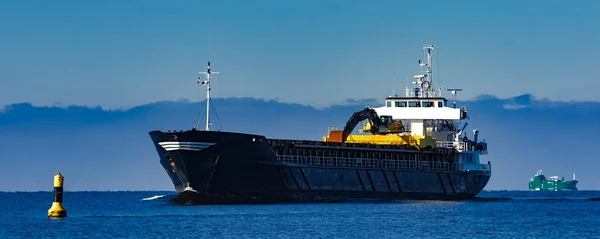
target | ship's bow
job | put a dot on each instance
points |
(204, 165)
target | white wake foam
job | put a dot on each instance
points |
(153, 197)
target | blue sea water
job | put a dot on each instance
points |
(495, 214)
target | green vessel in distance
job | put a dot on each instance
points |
(540, 183)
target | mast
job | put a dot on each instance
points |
(424, 82)
(206, 83)
(429, 61)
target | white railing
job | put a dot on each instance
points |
(460, 146)
(453, 144)
(444, 144)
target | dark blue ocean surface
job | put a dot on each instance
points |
(498, 214)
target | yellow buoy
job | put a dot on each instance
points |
(57, 209)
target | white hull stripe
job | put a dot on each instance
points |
(192, 146)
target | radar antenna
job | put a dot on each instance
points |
(206, 83)
(453, 92)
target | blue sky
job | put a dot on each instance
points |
(125, 53)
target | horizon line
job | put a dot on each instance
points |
(277, 100)
(174, 191)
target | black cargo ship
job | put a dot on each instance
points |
(216, 167)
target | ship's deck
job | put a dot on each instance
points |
(287, 143)
(352, 155)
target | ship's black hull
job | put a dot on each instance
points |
(208, 167)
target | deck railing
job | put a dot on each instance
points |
(345, 162)
(460, 146)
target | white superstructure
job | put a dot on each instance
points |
(425, 112)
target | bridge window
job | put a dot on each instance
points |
(414, 104)
(427, 104)
(388, 104)
(400, 103)
(440, 104)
